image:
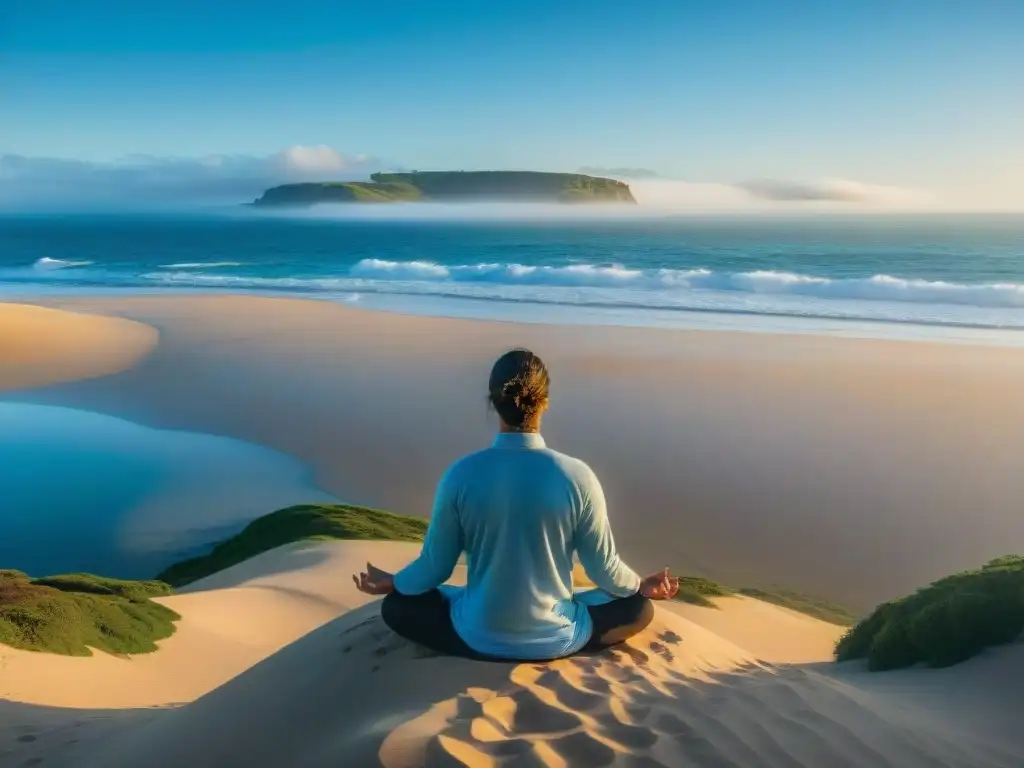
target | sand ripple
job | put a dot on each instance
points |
(657, 702)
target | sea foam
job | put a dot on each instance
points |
(876, 288)
(46, 264)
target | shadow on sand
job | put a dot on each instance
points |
(32, 735)
(353, 694)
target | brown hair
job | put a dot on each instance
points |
(519, 388)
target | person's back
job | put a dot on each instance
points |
(519, 511)
(520, 538)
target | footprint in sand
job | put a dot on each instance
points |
(422, 652)
(360, 625)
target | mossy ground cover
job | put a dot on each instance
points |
(304, 522)
(74, 613)
(947, 622)
(699, 591)
(812, 605)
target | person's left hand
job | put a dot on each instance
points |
(374, 581)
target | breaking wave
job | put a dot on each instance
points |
(764, 282)
(880, 297)
(47, 264)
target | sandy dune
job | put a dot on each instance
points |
(232, 620)
(794, 637)
(350, 693)
(44, 346)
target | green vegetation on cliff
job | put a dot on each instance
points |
(73, 613)
(945, 623)
(454, 186)
(307, 521)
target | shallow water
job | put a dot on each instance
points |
(82, 491)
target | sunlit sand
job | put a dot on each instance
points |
(809, 462)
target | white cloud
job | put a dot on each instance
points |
(314, 160)
(40, 182)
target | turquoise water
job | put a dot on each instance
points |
(936, 272)
(83, 491)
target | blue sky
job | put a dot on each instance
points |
(928, 95)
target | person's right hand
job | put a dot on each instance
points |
(374, 581)
(660, 586)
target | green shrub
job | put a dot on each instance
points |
(856, 643)
(308, 521)
(72, 614)
(892, 648)
(945, 623)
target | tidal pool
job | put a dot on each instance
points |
(82, 491)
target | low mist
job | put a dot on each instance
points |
(225, 182)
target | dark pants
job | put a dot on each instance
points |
(426, 620)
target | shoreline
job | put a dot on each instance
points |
(585, 315)
(749, 458)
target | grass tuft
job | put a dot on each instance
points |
(697, 590)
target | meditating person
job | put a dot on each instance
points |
(519, 511)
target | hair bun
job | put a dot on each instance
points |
(519, 387)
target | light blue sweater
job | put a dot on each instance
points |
(519, 510)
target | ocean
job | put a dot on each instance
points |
(940, 277)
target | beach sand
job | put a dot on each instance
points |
(42, 346)
(854, 469)
(297, 670)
